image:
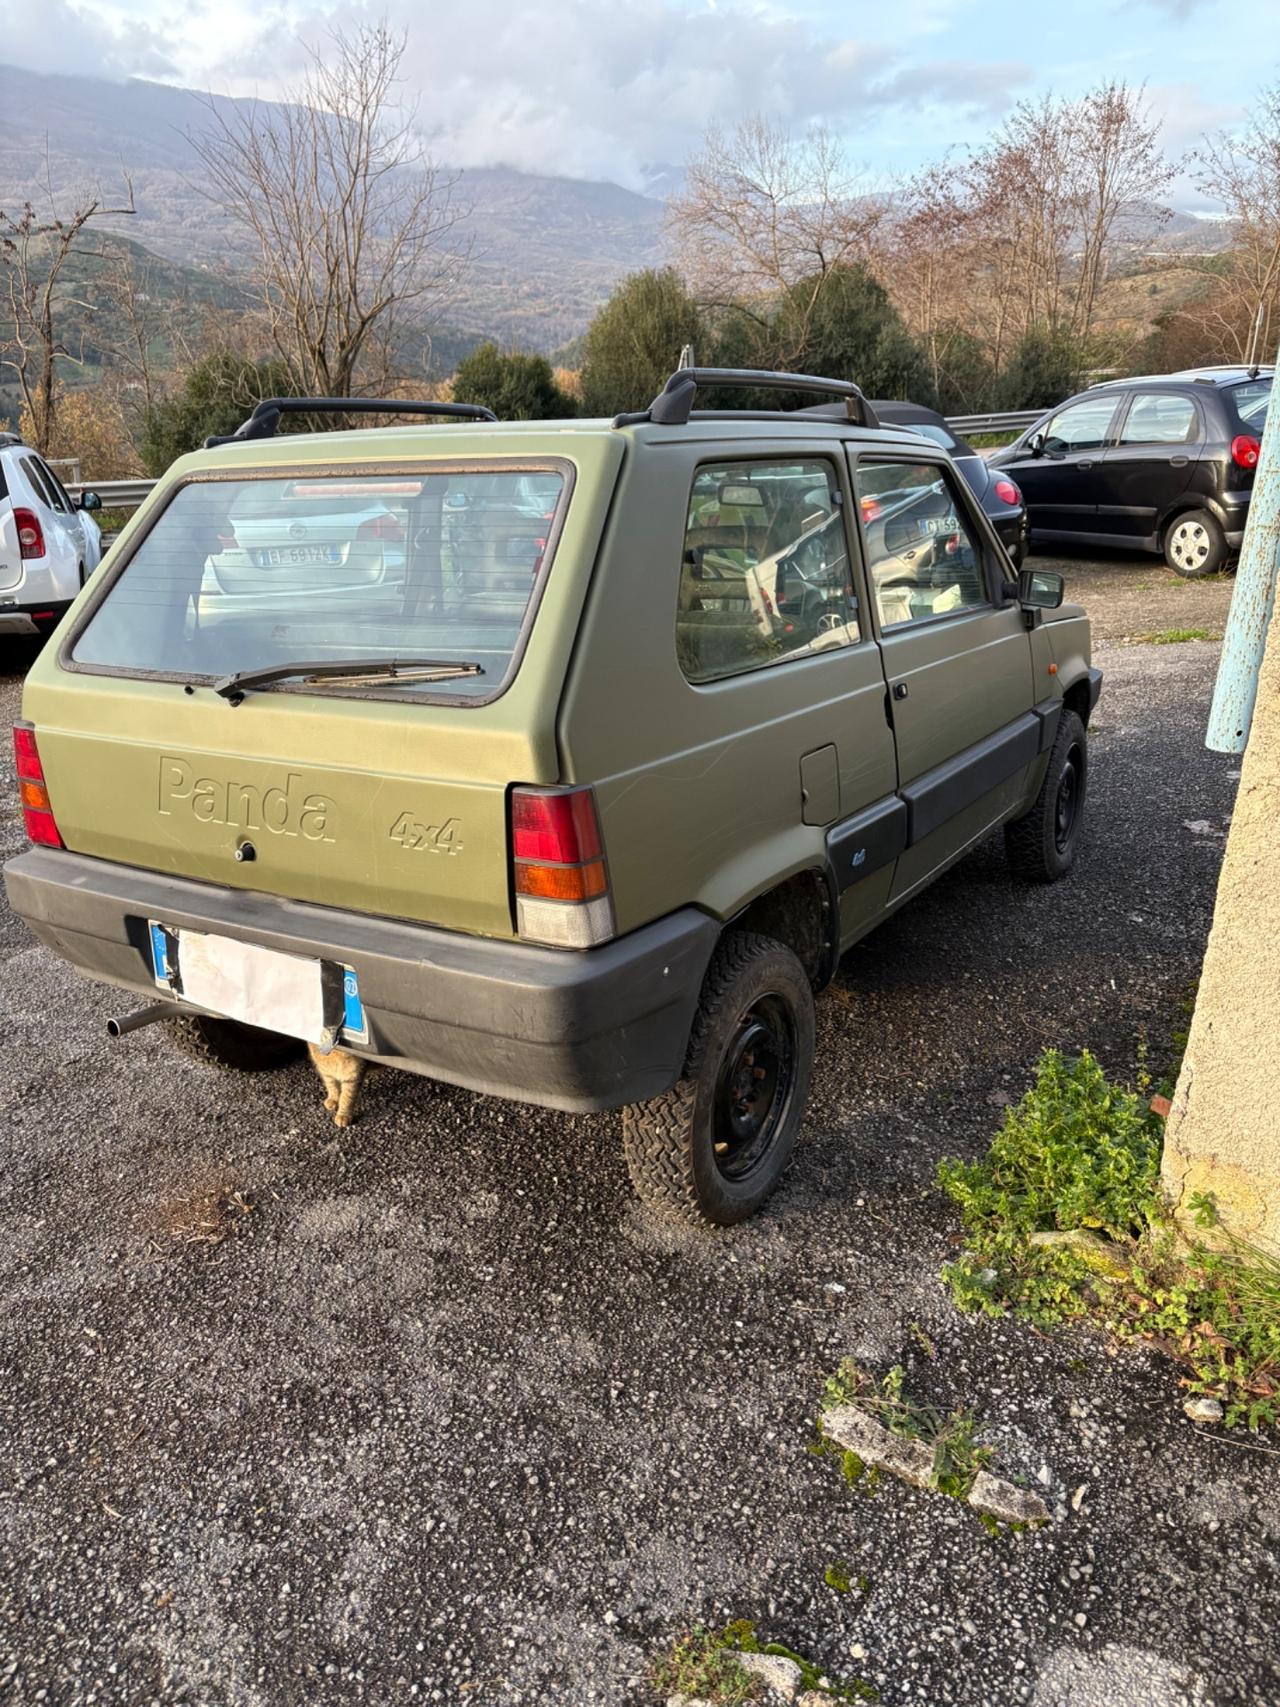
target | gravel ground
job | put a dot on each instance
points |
(447, 1417)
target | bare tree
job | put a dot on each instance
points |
(762, 211)
(353, 222)
(1243, 172)
(35, 250)
(1117, 179)
(1019, 236)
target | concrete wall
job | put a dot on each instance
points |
(1223, 1133)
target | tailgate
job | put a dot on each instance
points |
(371, 808)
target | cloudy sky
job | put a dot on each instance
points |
(601, 88)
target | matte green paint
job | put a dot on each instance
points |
(700, 788)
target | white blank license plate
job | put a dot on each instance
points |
(260, 986)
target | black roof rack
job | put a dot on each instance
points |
(673, 405)
(7, 439)
(264, 420)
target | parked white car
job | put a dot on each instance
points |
(49, 542)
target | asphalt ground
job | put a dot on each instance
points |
(447, 1416)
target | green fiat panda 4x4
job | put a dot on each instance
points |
(560, 761)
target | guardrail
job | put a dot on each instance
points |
(115, 494)
(1011, 421)
(128, 494)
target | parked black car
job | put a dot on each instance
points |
(996, 491)
(1162, 463)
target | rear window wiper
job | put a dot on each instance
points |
(354, 672)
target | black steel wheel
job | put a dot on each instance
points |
(1042, 844)
(713, 1148)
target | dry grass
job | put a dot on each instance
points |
(205, 1218)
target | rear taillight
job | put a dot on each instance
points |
(1007, 492)
(560, 878)
(30, 533)
(385, 529)
(1245, 450)
(37, 810)
(871, 511)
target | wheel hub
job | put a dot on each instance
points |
(1190, 544)
(753, 1086)
(1067, 805)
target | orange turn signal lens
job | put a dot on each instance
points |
(562, 882)
(33, 795)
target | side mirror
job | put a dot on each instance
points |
(1035, 445)
(1040, 589)
(88, 501)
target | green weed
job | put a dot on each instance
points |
(957, 1457)
(1081, 1155)
(1173, 636)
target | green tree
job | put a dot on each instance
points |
(516, 386)
(215, 397)
(634, 342)
(842, 325)
(1044, 368)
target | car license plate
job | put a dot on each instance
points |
(314, 1000)
(274, 556)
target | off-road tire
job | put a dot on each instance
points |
(227, 1043)
(1036, 847)
(1195, 545)
(669, 1141)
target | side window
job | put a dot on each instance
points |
(1081, 426)
(923, 561)
(1157, 418)
(61, 498)
(39, 481)
(765, 569)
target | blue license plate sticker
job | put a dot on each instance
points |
(160, 954)
(353, 1020)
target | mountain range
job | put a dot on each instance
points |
(545, 251)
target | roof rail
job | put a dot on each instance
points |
(264, 420)
(674, 403)
(7, 439)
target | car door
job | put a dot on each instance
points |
(1157, 445)
(957, 657)
(1062, 481)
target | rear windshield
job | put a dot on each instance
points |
(1251, 398)
(939, 435)
(249, 574)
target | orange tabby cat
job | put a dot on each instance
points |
(340, 1073)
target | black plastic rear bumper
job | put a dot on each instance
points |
(572, 1030)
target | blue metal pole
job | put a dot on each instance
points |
(1252, 601)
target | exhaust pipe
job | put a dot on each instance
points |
(140, 1017)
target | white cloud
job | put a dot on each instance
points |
(583, 87)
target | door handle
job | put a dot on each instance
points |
(900, 690)
(1088, 464)
(1179, 461)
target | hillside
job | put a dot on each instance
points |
(546, 251)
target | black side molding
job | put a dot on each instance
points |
(867, 841)
(939, 794)
(1048, 711)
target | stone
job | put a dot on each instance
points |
(817, 1698)
(851, 1427)
(1005, 1502)
(1203, 1410)
(1100, 1255)
(775, 1671)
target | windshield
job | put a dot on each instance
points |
(244, 575)
(1251, 399)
